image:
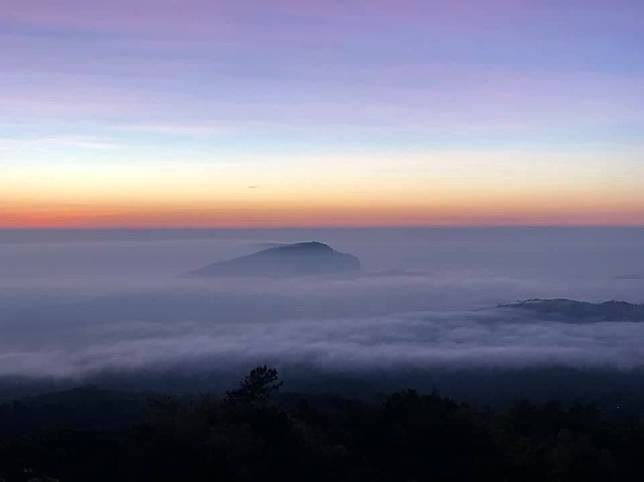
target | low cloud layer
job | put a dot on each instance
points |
(420, 340)
(81, 307)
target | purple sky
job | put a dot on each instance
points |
(394, 111)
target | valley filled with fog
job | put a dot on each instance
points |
(81, 305)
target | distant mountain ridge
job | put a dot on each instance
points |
(299, 259)
(581, 310)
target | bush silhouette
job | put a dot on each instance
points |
(257, 387)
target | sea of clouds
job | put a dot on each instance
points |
(78, 304)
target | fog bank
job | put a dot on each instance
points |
(78, 304)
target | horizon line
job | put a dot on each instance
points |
(320, 227)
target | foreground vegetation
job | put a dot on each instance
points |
(250, 435)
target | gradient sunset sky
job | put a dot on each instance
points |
(293, 112)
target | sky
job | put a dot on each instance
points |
(216, 113)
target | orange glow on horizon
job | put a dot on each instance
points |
(274, 214)
(104, 196)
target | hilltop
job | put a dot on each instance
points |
(299, 259)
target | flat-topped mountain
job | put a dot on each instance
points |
(580, 310)
(300, 259)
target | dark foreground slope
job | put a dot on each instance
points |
(248, 436)
(300, 259)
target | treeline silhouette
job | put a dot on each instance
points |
(250, 435)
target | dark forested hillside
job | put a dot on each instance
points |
(247, 435)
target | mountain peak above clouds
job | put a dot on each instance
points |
(298, 259)
(580, 311)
